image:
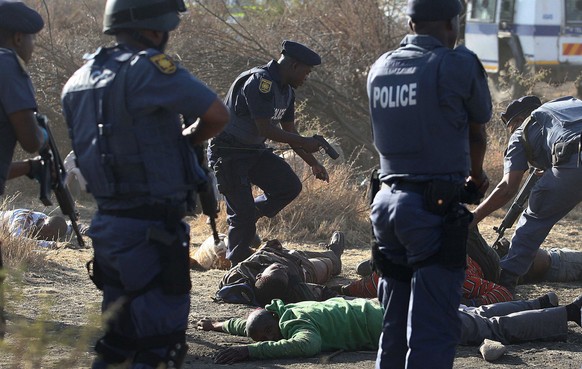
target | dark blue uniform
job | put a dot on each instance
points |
(140, 169)
(16, 94)
(240, 157)
(422, 98)
(550, 140)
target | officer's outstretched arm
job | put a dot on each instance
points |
(478, 147)
(501, 195)
(28, 133)
(288, 134)
(212, 122)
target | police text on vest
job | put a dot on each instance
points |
(394, 96)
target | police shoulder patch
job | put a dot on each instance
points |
(265, 85)
(164, 63)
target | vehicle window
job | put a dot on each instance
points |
(483, 10)
(506, 13)
(573, 11)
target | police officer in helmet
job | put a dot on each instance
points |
(262, 105)
(124, 109)
(429, 103)
(19, 25)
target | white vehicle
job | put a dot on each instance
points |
(526, 35)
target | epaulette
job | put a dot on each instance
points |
(465, 51)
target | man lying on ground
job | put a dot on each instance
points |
(307, 328)
(479, 287)
(275, 272)
(37, 225)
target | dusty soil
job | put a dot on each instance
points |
(53, 312)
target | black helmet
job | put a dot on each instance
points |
(157, 15)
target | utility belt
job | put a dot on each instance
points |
(416, 187)
(442, 198)
(227, 139)
(563, 151)
(168, 213)
(171, 240)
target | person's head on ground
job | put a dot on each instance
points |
(296, 62)
(271, 283)
(519, 110)
(52, 228)
(263, 325)
(437, 18)
(19, 25)
(142, 23)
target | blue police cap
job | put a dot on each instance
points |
(300, 52)
(15, 16)
(433, 10)
(523, 105)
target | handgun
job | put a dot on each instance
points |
(327, 147)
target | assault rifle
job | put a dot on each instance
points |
(52, 175)
(518, 205)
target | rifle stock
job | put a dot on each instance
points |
(52, 176)
(518, 205)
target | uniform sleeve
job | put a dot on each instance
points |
(305, 341)
(290, 112)
(16, 91)
(515, 158)
(235, 326)
(463, 78)
(258, 94)
(179, 91)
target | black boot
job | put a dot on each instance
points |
(508, 280)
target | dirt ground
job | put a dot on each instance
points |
(62, 301)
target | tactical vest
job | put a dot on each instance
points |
(559, 123)
(411, 132)
(241, 125)
(119, 158)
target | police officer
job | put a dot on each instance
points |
(429, 103)
(18, 27)
(546, 137)
(260, 100)
(123, 109)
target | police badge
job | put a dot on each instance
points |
(163, 63)
(265, 85)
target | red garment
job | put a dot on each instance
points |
(480, 291)
(476, 290)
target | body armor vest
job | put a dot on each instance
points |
(559, 124)
(117, 157)
(411, 132)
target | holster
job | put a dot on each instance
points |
(174, 259)
(95, 273)
(563, 151)
(455, 230)
(440, 196)
(386, 268)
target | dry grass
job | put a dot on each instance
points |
(18, 252)
(320, 209)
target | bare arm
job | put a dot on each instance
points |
(503, 192)
(18, 169)
(288, 134)
(478, 147)
(207, 324)
(28, 133)
(317, 169)
(212, 122)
